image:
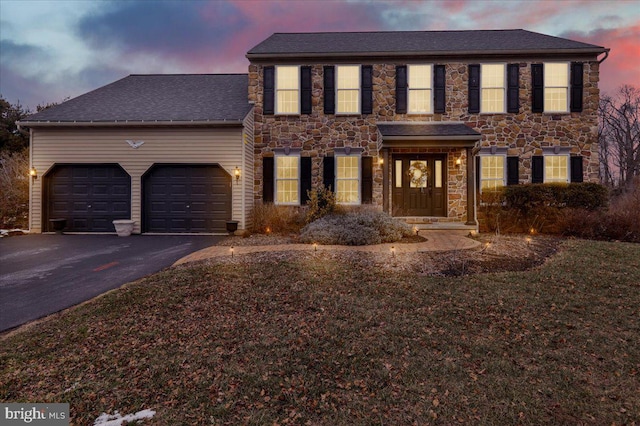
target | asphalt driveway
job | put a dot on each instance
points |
(43, 274)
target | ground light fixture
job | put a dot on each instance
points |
(231, 250)
(393, 251)
(315, 246)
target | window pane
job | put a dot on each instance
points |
(492, 100)
(348, 101)
(419, 100)
(288, 101)
(556, 75)
(419, 76)
(556, 168)
(287, 78)
(398, 173)
(287, 191)
(492, 75)
(347, 167)
(438, 172)
(348, 77)
(348, 191)
(492, 167)
(287, 167)
(555, 99)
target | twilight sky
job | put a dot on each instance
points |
(50, 50)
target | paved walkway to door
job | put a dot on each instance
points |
(436, 241)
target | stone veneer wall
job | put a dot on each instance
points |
(523, 134)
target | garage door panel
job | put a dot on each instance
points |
(186, 198)
(89, 196)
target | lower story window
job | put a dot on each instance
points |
(556, 168)
(491, 172)
(288, 179)
(348, 179)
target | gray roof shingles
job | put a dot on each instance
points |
(427, 130)
(417, 42)
(163, 98)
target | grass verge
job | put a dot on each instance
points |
(314, 338)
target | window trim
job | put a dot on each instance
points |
(276, 179)
(544, 167)
(357, 155)
(276, 90)
(568, 88)
(505, 76)
(337, 90)
(504, 167)
(430, 90)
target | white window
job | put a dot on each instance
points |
(348, 179)
(287, 179)
(348, 89)
(491, 172)
(420, 89)
(287, 90)
(556, 168)
(556, 87)
(492, 83)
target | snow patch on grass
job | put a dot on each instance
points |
(117, 419)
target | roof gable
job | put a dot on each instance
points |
(161, 98)
(413, 42)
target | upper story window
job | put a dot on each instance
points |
(287, 179)
(556, 87)
(492, 83)
(287, 90)
(420, 89)
(348, 89)
(348, 179)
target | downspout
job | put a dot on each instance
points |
(30, 178)
(606, 55)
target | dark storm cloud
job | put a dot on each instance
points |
(163, 27)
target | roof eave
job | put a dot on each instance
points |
(441, 53)
(131, 123)
(430, 141)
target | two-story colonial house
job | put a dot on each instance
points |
(414, 122)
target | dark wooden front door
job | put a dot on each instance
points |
(419, 185)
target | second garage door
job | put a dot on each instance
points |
(186, 198)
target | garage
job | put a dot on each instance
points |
(88, 196)
(181, 198)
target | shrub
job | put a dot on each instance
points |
(322, 201)
(268, 217)
(14, 187)
(355, 228)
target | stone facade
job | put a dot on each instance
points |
(524, 134)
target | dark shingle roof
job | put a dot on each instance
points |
(163, 98)
(427, 130)
(413, 42)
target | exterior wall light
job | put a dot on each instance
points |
(33, 173)
(458, 162)
(381, 161)
(236, 173)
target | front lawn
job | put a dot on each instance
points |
(321, 338)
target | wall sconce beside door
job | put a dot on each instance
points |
(33, 173)
(458, 161)
(236, 173)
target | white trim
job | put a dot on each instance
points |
(275, 90)
(359, 103)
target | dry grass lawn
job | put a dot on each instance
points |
(323, 339)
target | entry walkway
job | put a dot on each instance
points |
(436, 241)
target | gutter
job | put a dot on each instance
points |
(606, 55)
(127, 123)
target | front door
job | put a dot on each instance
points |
(419, 185)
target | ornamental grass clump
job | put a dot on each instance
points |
(356, 228)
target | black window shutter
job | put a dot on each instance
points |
(329, 90)
(305, 179)
(537, 169)
(267, 179)
(513, 88)
(576, 86)
(328, 169)
(474, 89)
(576, 169)
(401, 89)
(513, 177)
(305, 92)
(269, 84)
(439, 86)
(367, 180)
(537, 83)
(366, 91)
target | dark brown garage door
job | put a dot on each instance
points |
(186, 198)
(88, 196)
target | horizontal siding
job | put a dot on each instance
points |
(249, 169)
(221, 146)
